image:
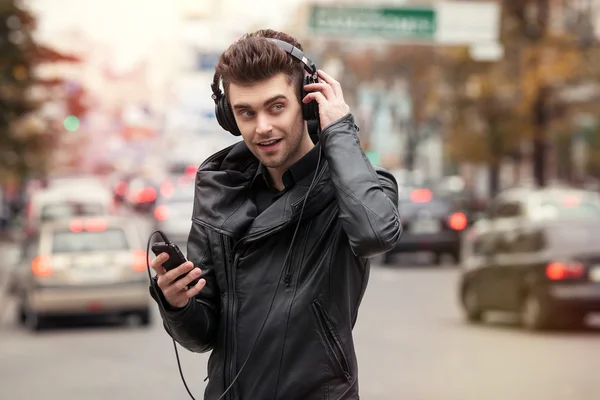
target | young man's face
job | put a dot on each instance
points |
(269, 117)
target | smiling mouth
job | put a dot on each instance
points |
(269, 143)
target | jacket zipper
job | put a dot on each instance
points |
(230, 351)
(331, 338)
(231, 307)
(288, 266)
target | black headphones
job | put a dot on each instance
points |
(310, 111)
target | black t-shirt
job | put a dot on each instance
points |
(262, 189)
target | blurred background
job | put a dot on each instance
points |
(487, 112)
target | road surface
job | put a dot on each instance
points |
(411, 340)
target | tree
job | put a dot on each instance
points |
(516, 97)
(415, 65)
(26, 138)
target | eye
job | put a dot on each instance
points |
(277, 107)
(246, 113)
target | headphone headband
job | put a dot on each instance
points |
(308, 65)
(310, 111)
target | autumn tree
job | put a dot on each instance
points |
(517, 97)
(26, 140)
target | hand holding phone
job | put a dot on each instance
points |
(178, 279)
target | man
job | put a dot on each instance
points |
(291, 264)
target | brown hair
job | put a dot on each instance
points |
(253, 58)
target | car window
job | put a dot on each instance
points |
(113, 239)
(561, 208)
(529, 241)
(508, 209)
(67, 210)
(435, 206)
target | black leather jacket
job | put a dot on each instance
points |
(305, 350)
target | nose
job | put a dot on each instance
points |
(263, 124)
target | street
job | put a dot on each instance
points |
(411, 340)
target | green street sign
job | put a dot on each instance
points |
(391, 22)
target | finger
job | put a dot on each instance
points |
(317, 96)
(183, 283)
(157, 263)
(196, 289)
(335, 85)
(175, 273)
(322, 87)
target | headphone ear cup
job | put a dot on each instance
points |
(310, 111)
(225, 117)
(219, 114)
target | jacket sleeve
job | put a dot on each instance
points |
(367, 198)
(194, 326)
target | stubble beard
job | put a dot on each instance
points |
(293, 140)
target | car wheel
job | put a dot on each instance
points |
(21, 316)
(471, 304)
(33, 322)
(382, 260)
(456, 257)
(387, 259)
(534, 313)
(145, 317)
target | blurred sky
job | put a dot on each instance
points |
(133, 27)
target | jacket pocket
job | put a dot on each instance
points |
(331, 339)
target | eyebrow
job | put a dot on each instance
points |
(266, 103)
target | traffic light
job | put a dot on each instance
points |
(71, 123)
(76, 108)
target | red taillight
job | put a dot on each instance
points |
(458, 221)
(557, 271)
(146, 195)
(76, 226)
(41, 266)
(161, 213)
(140, 260)
(191, 170)
(421, 196)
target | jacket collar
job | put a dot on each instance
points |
(302, 168)
(223, 201)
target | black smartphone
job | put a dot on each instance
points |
(176, 258)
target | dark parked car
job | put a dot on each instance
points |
(430, 224)
(535, 254)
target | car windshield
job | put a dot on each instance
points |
(566, 205)
(52, 212)
(113, 239)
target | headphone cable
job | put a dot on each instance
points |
(274, 296)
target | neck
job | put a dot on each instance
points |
(277, 173)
